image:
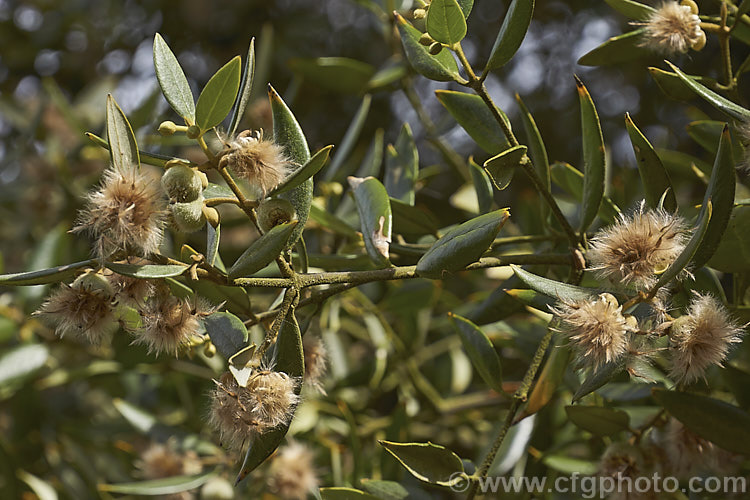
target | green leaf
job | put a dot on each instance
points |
(147, 271)
(480, 350)
(617, 50)
(331, 222)
(714, 420)
(511, 34)
(738, 382)
(227, 333)
(427, 462)
(720, 194)
(164, 486)
(172, 80)
(721, 103)
(388, 75)
(350, 138)
(262, 251)
(218, 96)
(21, 361)
(124, 149)
(707, 133)
(672, 85)
(598, 378)
(290, 360)
(341, 493)
(410, 220)
(537, 149)
(213, 236)
(598, 420)
(214, 191)
(554, 289)
(446, 22)
(375, 216)
(402, 166)
(482, 186)
(145, 157)
(593, 158)
(682, 163)
(246, 88)
(473, 115)
(287, 132)
(385, 490)
(442, 67)
(654, 176)
(466, 6)
(337, 74)
(631, 9)
(501, 167)
(462, 245)
(44, 276)
(570, 179)
(549, 380)
(302, 174)
(374, 157)
(733, 253)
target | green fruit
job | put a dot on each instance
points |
(273, 212)
(188, 217)
(182, 184)
(93, 281)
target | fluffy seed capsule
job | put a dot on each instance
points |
(84, 308)
(596, 328)
(315, 362)
(241, 413)
(125, 213)
(673, 29)
(292, 475)
(701, 338)
(182, 184)
(261, 162)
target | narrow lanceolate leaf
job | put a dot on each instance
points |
(616, 50)
(402, 166)
(631, 9)
(482, 186)
(172, 80)
(714, 420)
(511, 34)
(446, 22)
(375, 217)
(462, 245)
(537, 149)
(654, 176)
(262, 251)
(502, 166)
(672, 85)
(307, 171)
(218, 96)
(733, 253)
(155, 159)
(290, 360)
(480, 350)
(598, 378)
(123, 148)
(288, 133)
(682, 261)
(44, 276)
(147, 271)
(721, 103)
(720, 193)
(427, 462)
(472, 114)
(164, 486)
(227, 333)
(213, 236)
(246, 88)
(598, 420)
(347, 144)
(593, 158)
(554, 289)
(441, 67)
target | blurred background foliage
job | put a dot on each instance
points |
(72, 418)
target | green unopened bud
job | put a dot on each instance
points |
(420, 13)
(193, 132)
(435, 48)
(188, 217)
(182, 183)
(93, 281)
(167, 128)
(273, 212)
(211, 215)
(426, 39)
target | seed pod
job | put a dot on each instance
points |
(182, 184)
(273, 212)
(188, 217)
(94, 282)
